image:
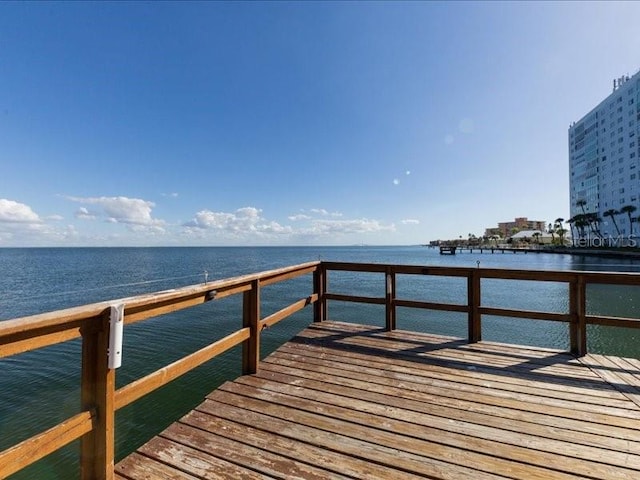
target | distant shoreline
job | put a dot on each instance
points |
(588, 252)
(593, 252)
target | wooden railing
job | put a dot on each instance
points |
(94, 425)
(577, 282)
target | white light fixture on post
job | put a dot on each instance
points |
(116, 330)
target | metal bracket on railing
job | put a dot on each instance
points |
(116, 330)
(211, 295)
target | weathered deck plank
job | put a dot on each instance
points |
(349, 401)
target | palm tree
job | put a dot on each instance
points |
(593, 221)
(590, 218)
(581, 203)
(629, 209)
(560, 230)
(612, 213)
(596, 224)
(571, 221)
(580, 221)
(536, 237)
(561, 233)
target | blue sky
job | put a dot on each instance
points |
(298, 123)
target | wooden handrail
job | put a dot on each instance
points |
(67, 323)
(576, 280)
(99, 399)
(39, 446)
(141, 387)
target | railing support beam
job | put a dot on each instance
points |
(251, 319)
(320, 288)
(97, 450)
(577, 309)
(473, 300)
(390, 298)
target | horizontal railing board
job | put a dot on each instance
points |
(287, 311)
(354, 298)
(526, 314)
(164, 375)
(39, 446)
(134, 306)
(451, 307)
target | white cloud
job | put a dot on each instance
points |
(408, 172)
(396, 181)
(323, 212)
(84, 214)
(171, 195)
(130, 211)
(299, 217)
(346, 227)
(249, 225)
(319, 211)
(15, 212)
(246, 220)
(410, 221)
(21, 226)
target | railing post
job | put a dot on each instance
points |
(390, 297)
(473, 300)
(577, 310)
(251, 319)
(319, 288)
(97, 449)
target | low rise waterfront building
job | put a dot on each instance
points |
(507, 229)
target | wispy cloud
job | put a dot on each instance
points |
(299, 217)
(346, 227)
(319, 211)
(84, 214)
(410, 221)
(323, 212)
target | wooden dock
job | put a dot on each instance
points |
(350, 401)
(447, 249)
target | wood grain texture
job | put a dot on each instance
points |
(350, 401)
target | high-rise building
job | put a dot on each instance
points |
(603, 159)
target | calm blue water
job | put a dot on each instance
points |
(39, 389)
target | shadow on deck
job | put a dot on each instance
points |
(349, 401)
